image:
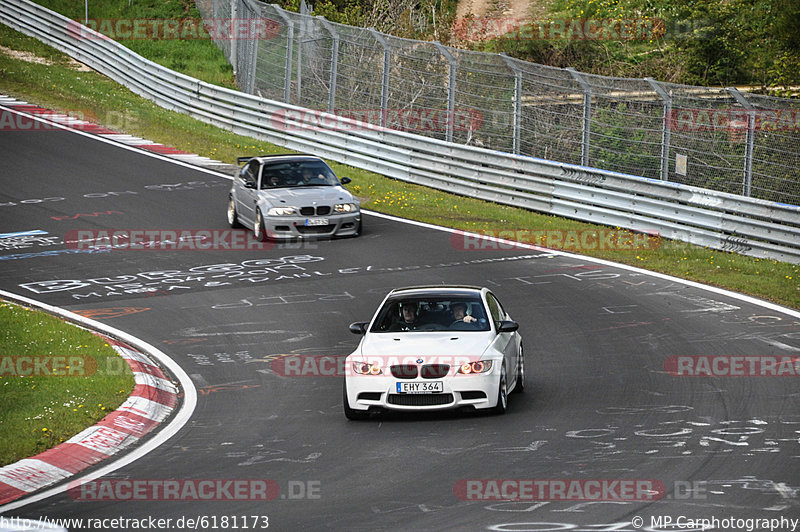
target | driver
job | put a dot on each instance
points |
(309, 178)
(410, 321)
(459, 310)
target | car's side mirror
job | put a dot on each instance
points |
(359, 327)
(507, 326)
(345, 180)
(249, 184)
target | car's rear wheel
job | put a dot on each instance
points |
(519, 387)
(502, 393)
(259, 232)
(233, 218)
(350, 413)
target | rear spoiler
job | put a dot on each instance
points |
(241, 160)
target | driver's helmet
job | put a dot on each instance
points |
(408, 305)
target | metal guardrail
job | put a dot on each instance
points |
(723, 139)
(718, 220)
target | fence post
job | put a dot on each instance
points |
(387, 55)
(517, 99)
(451, 93)
(234, 38)
(306, 28)
(747, 183)
(587, 114)
(299, 77)
(665, 126)
(334, 61)
(251, 82)
(287, 79)
(247, 54)
(306, 22)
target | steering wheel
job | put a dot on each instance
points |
(460, 325)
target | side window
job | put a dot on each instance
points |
(494, 307)
(502, 310)
(249, 172)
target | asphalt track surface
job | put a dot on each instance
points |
(598, 404)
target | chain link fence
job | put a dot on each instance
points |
(715, 138)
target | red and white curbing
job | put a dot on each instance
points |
(153, 399)
(95, 129)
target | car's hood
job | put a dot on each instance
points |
(445, 346)
(299, 196)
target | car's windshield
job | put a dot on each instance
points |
(297, 174)
(437, 313)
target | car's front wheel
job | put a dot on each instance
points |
(502, 393)
(351, 413)
(358, 231)
(519, 387)
(259, 232)
(233, 218)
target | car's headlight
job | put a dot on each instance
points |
(470, 368)
(281, 211)
(362, 368)
(345, 207)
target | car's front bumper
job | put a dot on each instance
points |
(294, 227)
(365, 392)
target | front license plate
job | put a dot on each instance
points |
(316, 221)
(420, 387)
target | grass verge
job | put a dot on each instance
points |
(55, 380)
(194, 55)
(61, 87)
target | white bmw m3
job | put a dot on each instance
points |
(434, 348)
